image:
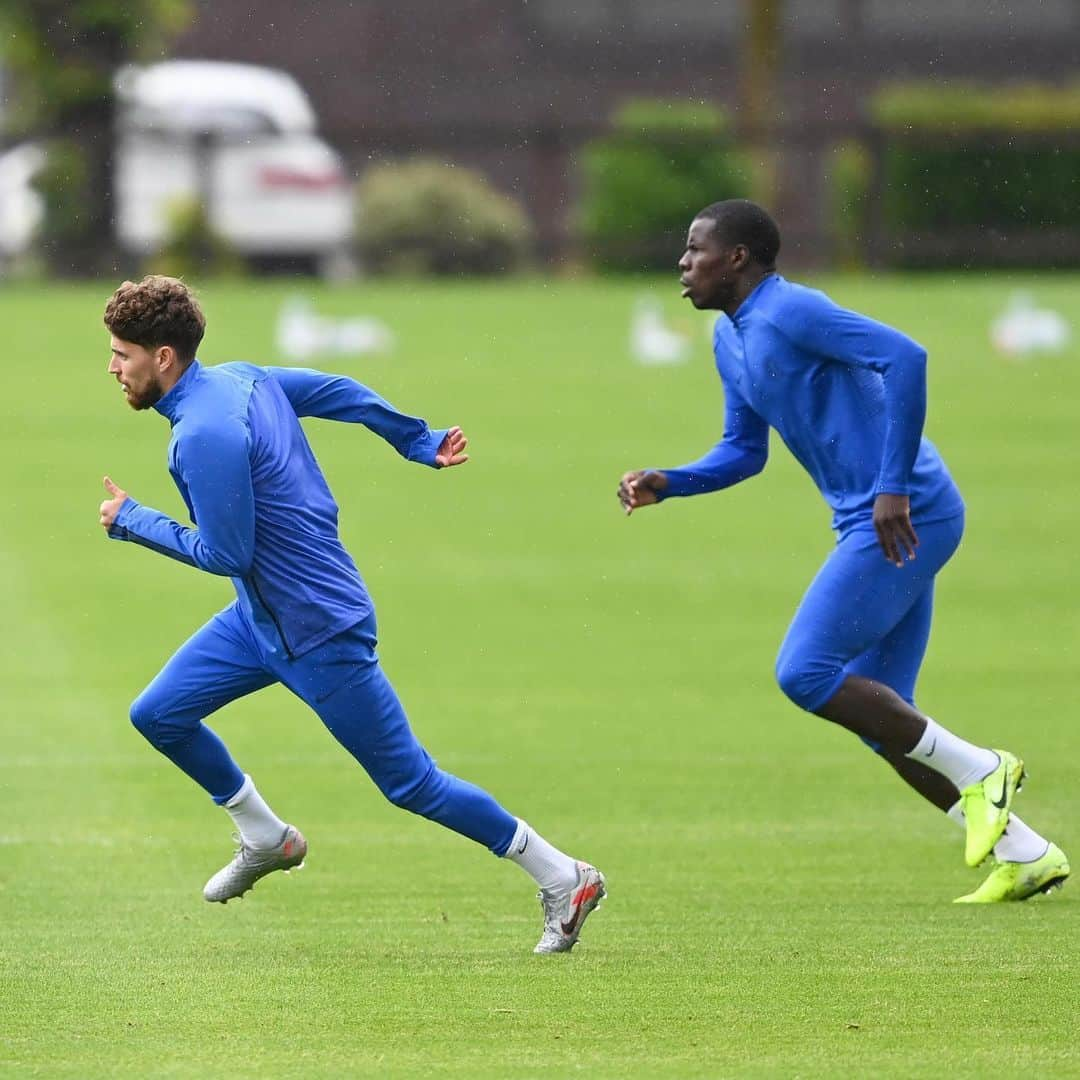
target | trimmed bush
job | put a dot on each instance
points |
(426, 217)
(973, 161)
(662, 162)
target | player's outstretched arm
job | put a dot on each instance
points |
(337, 397)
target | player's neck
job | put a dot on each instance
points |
(745, 286)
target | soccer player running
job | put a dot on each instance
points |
(848, 397)
(264, 516)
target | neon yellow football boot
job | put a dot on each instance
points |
(1019, 880)
(986, 805)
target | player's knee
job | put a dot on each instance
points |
(420, 794)
(142, 717)
(153, 722)
(802, 680)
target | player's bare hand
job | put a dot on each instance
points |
(640, 488)
(896, 534)
(111, 506)
(452, 449)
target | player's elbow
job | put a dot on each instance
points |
(225, 563)
(753, 461)
(916, 356)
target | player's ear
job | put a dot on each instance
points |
(164, 357)
(740, 256)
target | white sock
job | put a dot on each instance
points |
(961, 762)
(257, 824)
(1018, 843)
(550, 868)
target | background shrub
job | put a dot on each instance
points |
(427, 217)
(192, 248)
(976, 162)
(662, 162)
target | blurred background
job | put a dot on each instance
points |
(481, 137)
(476, 208)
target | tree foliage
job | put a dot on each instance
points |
(62, 56)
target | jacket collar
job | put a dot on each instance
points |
(172, 403)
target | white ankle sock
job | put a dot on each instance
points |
(257, 824)
(550, 868)
(1018, 843)
(961, 762)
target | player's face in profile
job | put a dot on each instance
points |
(135, 369)
(705, 270)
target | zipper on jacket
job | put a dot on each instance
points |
(273, 617)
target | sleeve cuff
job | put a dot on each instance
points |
(118, 529)
(424, 448)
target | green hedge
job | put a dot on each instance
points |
(967, 107)
(661, 163)
(966, 157)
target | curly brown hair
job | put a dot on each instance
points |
(157, 311)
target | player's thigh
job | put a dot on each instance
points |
(216, 665)
(344, 683)
(859, 597)
(897, 658)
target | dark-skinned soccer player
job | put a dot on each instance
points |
(847, 395)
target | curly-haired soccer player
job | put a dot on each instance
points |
(264, 517)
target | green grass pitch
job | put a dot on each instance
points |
(779, 903)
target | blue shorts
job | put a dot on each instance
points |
(864, 616)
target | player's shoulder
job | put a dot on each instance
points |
(218, 404)
(791, 302)
(241, 371)
(793, 310)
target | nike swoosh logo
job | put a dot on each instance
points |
(524, 845)
(933, 747)
(582, 898)
(1000, 803)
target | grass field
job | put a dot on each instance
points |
(779, 903)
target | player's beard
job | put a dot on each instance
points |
(146, 398)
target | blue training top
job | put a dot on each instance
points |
(264, 515)
(847, 395)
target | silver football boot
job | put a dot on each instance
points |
(249, 864)
(565, 913)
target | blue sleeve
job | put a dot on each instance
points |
(833, 332)
(217, 474)
(742, 452)
(335, 397)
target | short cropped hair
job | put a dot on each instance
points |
(739, 221)
(157, 311)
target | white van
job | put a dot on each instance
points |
(242, 139)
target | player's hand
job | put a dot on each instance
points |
(452, 449)
(640, 488)
(111, 506)
(896, 534)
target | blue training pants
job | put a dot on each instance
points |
(864, 616)
(343, 682)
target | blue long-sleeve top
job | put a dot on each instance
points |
(847, 395)
(262, 511)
